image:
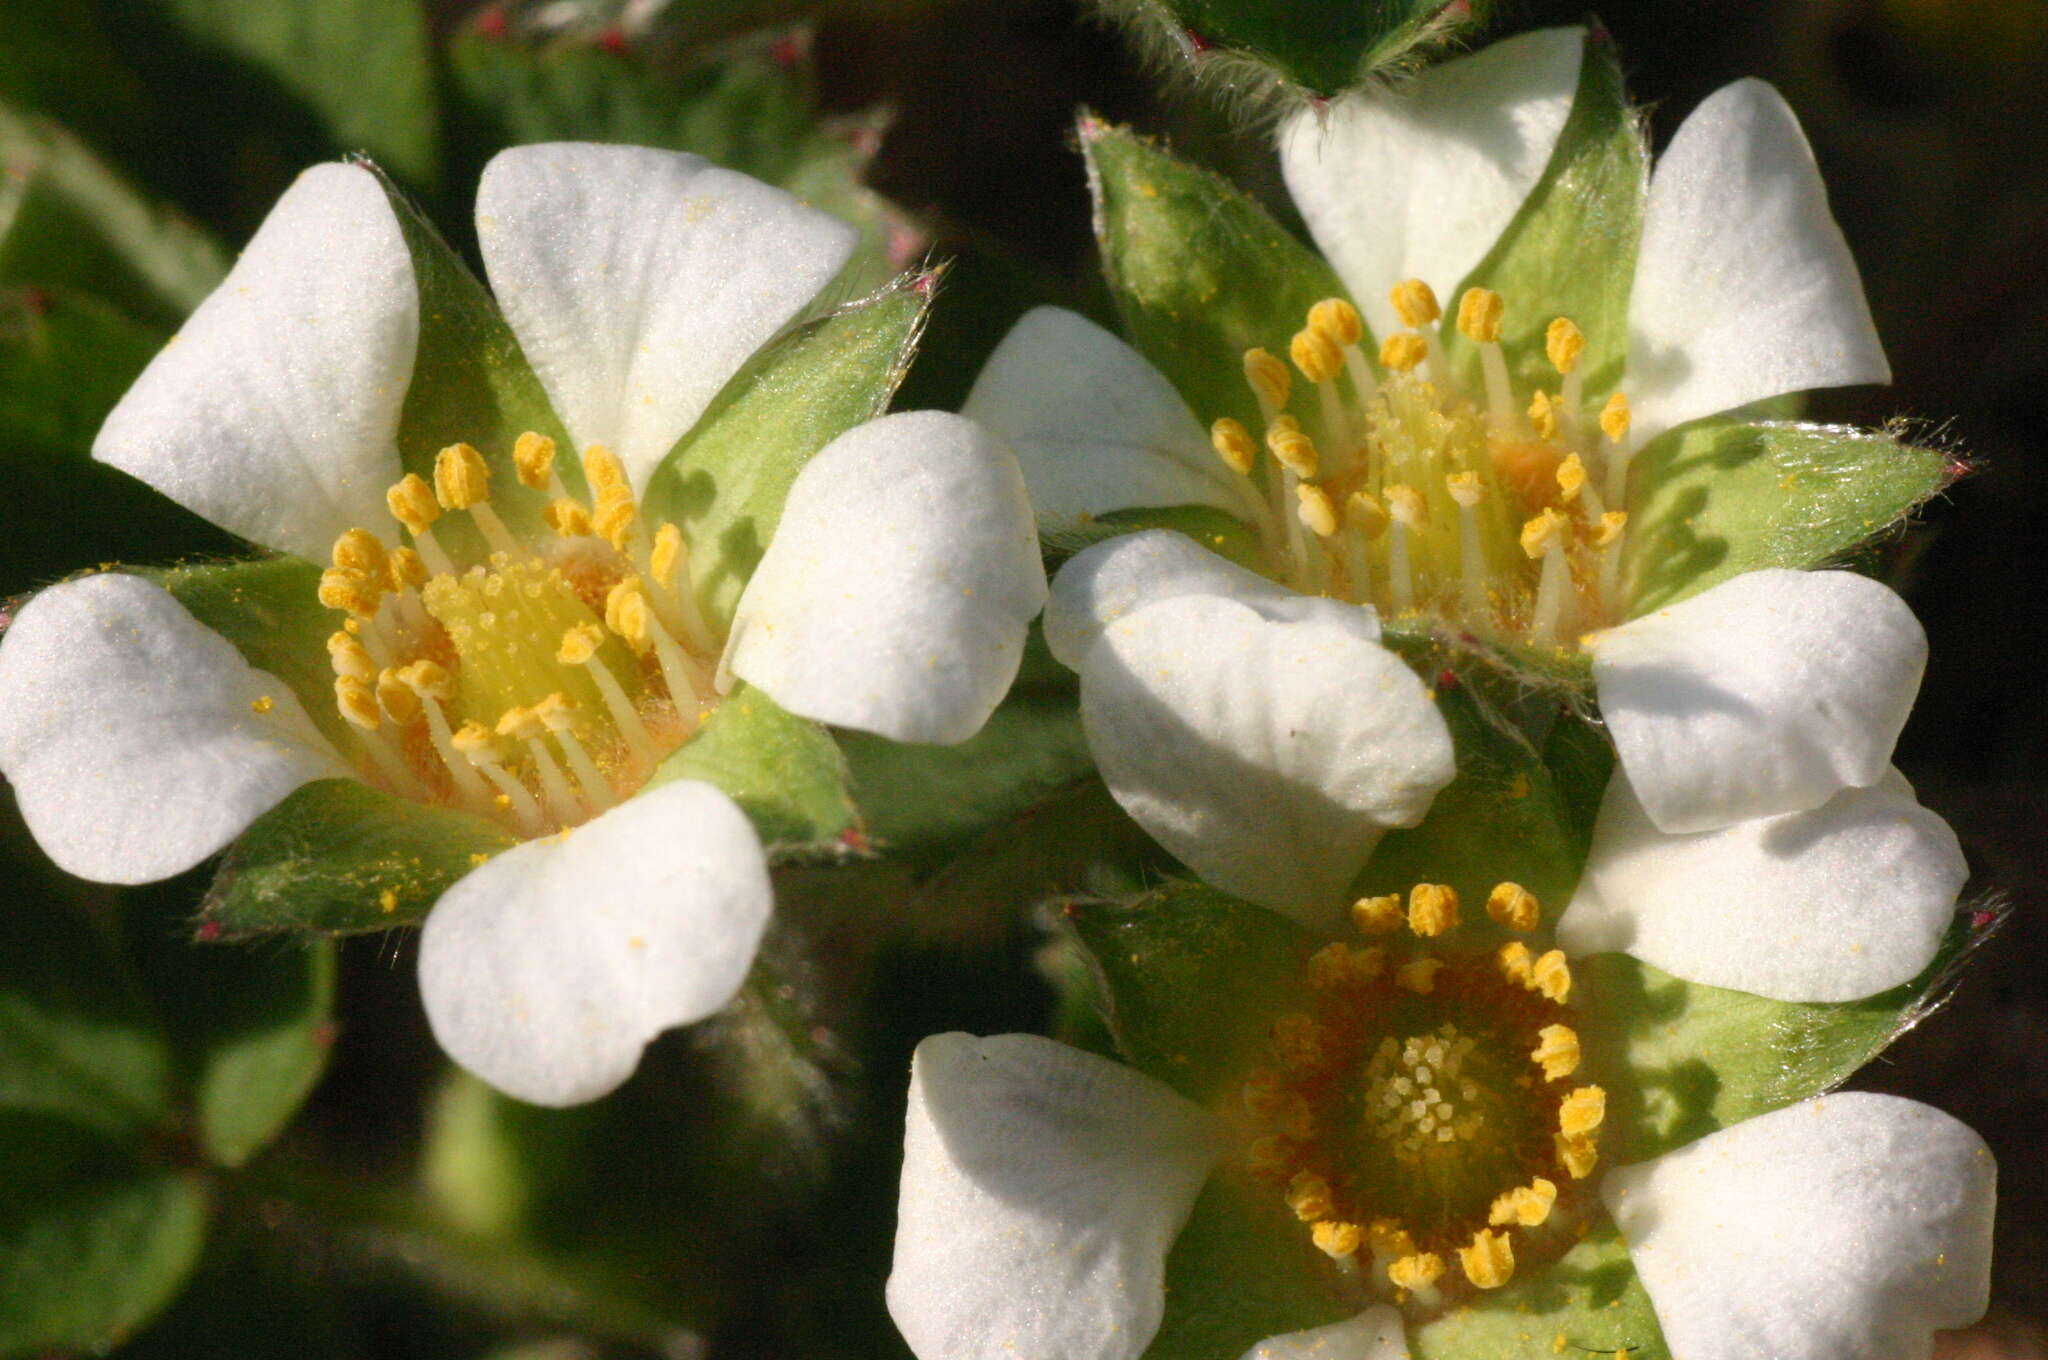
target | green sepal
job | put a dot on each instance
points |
(1571, 249)
(785, 772)
(725, 483)
(1200, 272)
(1217, 530)
(70, 221)
(471, 382)
(1721, 497)
(1309, 47)
(1192, 977)
(1591, 1299)
(269, 608)
(1680, 1059)
(324, 858)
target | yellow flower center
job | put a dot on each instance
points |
(539, 684)
(1395, 488)
(1419, 1115)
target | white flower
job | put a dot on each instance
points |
(1042, 1188)
(534, 651)
(1253, 724)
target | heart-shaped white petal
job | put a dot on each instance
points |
(1766, 694)
(1744, 287)
(1041, 1189)
(1843, 901)
(901, 581)
(1848, 1225)
(1375, 1334)
(1095, 427)
(273, 410)
(639, 281)
(1419, 180)
(1269, 755)
(548, 970)
(138, 740)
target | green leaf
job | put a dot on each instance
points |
(1681, 1060)
(1571, 249)
(340, 857)
(1241, 1271)
(785, 772)
(69, 221)
(64, 361)
(1201, 273)
(1720, 497)
(1218, 530)
(94, 1238)
(1320, 47)
(362, 66)
(1192, 977)
(725, 483)
(1590, 1301)
(270, 610)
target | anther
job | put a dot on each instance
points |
(605, 473)
(1614, 423)
(1489, 1262)
(412, 504)
(357, 702)
(1415, 303)
(1338, 320)
(1544, 537)
(1402, 351)
(350, 590)
(1514, 906)
(396, 698)
(1578, 1154)
(1269, 380)
(533, 457)
(1564, 343)
(1336, 966)
(1309, 1196)
(1233, 444)
(1298, 1042)
(1335, 1239)
(1556, 1051)
(351, 658)
(1526, 1206)
(404, 569)
(462, 481)
(1479, 316)
(625, 613)
(1378, 915)
(1317, 356)
(1318, 513)
(1293, 449)
(1543, 415)
(361, 551)
(1552, 976)
(1416, 1273)
(1582, 1111)
(566, 517)
(1432, 909)
(1516, 963)
(1418, 975)
(1571, 479)
(666, 555)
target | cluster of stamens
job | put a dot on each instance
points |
(1420, 1111)
(536, 682)
(1397, 490)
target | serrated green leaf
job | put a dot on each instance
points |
(94, 1238)
(725, 483)
(1192, 977)
(324, 858)
(64, 361)
(1720, 497)
(68, 221)
(362, 66)
(1201, 273)
(1591, 1299)
(1571, 249)
(1681, 1060)
(785, 772)
(1321, 46)
(270, 610)
(1242, 1271)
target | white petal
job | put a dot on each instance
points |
(273, 411)
(1419, 181)
(1042, 1187)
(1268, 755)
(899, 585)
(1766, 694)
(1102, 584)
(1850, 1225)
(1375, 1334)
(1833, 904)
(1744, 288)
(639, 281)
(547, 970)
(137, 739)
(1094, 426)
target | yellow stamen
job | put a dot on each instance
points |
(666, 555)
(361, 551)
(1543, 415)
(427, 679)
(1293, 449)
(566, 517)
(1614, 418)
(1516, 964)
(1415, 303)
(1571, 478)
(1432, 909)
(1557, 1050)
(1338, 320)
(1582, 1111)
(1479, 315)
(1378, 915)
(1514, 906)
(1269, 380)
(1611, 525)
(405, 569)
(1406, 506)
(625, 613)
(1389, 1238)
(1298, 1042)
(579, 644)
(1418, 975)
(1563, 343)
(1317, 356)
(533, 455)
(1578, 1154)
(412, 503)
(1339, 965)
(1365, 514)
(1527, 1206)
(1552, 976)
(477, 742)
(1233, 444)
(1336, 1240)
(357, 702)
(1318, 512)
(606, 474)
(615, 517)
(351, 658)
(1489, 1262)
(1416, 1273)
(1465, 488)
(397, 698)
(558, 715)
(1539, 533)
(1403, 351)
(461, 477)
(1309, 1196)
(346, 589)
